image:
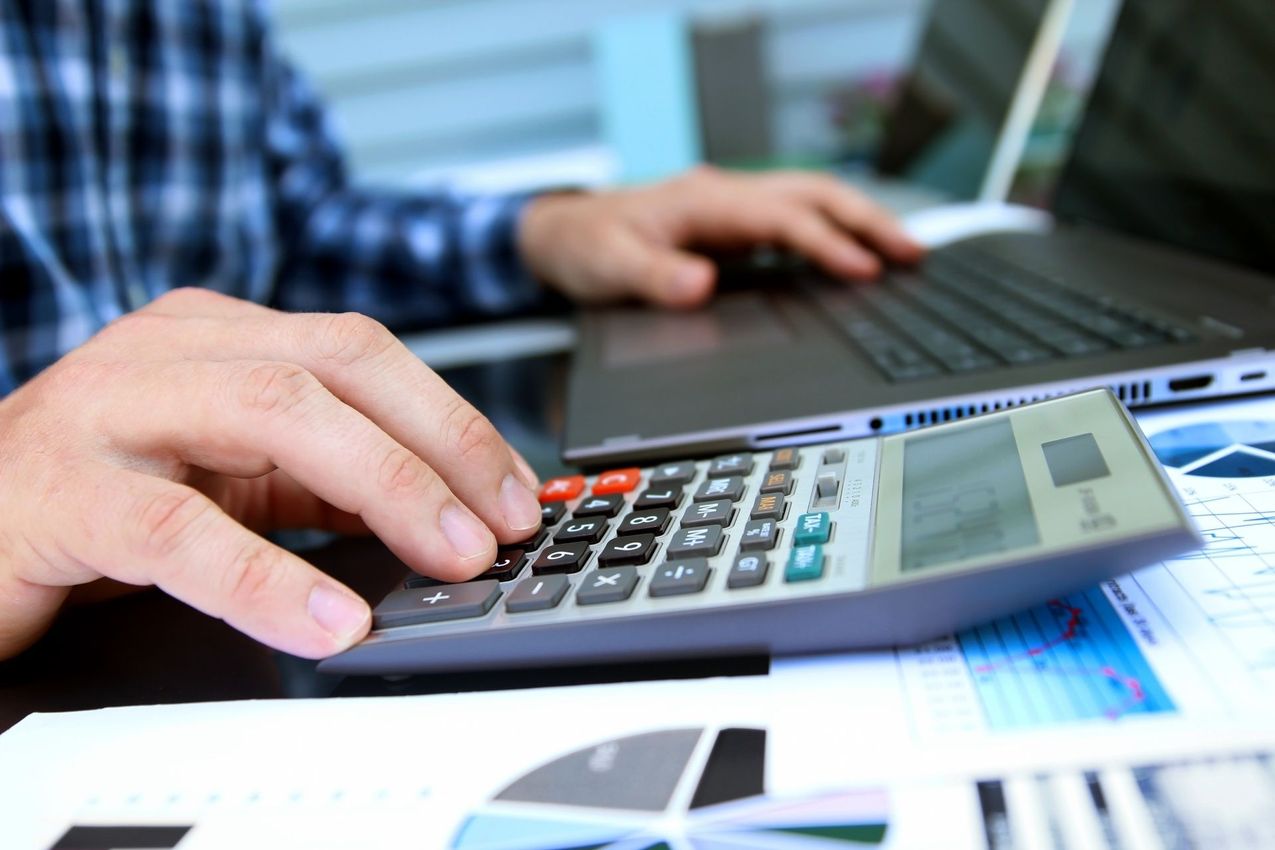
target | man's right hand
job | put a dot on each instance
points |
(155, 452)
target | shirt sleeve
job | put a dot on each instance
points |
(405, 258)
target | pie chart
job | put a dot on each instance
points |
(674, 789)
(1238, 449)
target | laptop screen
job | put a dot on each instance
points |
(944, 124)
(1177, 143)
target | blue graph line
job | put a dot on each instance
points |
(1067, 661)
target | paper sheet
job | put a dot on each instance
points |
(1133, 715)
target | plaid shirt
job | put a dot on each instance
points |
(150, 144)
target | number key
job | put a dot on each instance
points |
(644, 522)
(599, 506)
(551, 512)
(509, 563)
(661, 497)
(588, 530)
(635, 549)
(569, 558)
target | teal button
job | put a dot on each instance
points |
(805, 563)
(811, 529)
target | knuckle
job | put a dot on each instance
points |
(185, 298)
(254, 574)
(346, 338)
(401, 473)
(165, 522)
(275, 388)
(469, 434)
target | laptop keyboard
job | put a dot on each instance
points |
(968, 310)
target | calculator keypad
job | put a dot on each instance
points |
(718, 531)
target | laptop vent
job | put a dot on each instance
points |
(1134, 394)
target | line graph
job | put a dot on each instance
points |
(1069, 660)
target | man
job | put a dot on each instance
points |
(151, 431)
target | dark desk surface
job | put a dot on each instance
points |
(148, 648)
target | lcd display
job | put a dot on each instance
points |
(964, 496)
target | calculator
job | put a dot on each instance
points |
(856, 544)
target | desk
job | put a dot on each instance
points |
(149, 648)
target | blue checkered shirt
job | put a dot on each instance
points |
(151, 144)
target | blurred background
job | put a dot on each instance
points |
(512, 94)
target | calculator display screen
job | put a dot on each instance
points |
(964, 496)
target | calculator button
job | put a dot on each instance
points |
(599, 506)
(759, 534)
(568, 558)
(658, 497)
(731, 488)
(616, 481)
(421, 581)
(740, 463)
(534, 541)
(768, 506)
(537, 593)
(589, 530)
(561, 489)
(551, 512)
(509, 563)
(777, 482)
(805, 563)
(812, 528)
(634, 549)
(832, 456)
(644, 522)
(674, 578)
(678, 473)
(785, 459)
(707, 513)
(748, 571)
(826, 485)
(431, 604)
(695, 542)
(601, 586)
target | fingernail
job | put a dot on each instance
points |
(519, 505)
(688, 279)
(469, 537)
(342, 615)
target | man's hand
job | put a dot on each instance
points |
(152, 453)
(637, 242)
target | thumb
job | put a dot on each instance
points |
(662, 274)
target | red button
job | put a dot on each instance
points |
(561, 489)
(616, 481)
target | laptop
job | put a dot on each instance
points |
(961, 116)
(1157, 280)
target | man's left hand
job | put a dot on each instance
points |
(640, 242)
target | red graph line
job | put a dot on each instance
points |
(1135, 693)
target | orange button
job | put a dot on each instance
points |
(561, 489)
(616, 481)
